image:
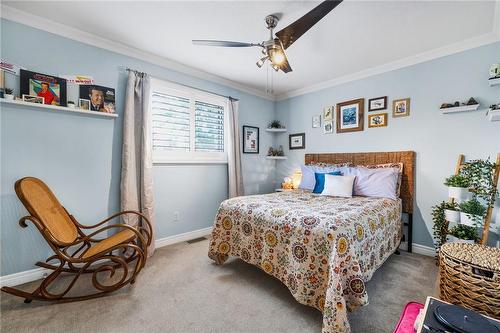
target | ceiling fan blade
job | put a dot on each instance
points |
(291, 33)
(222, 43)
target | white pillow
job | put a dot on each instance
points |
(338, 186)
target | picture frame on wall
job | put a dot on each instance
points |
(316, 121)
(101, 98)
(297, 141)
(84, 104)
(250, 140)
(51, 88)
(328, 113)
(328, 127)
(377, 120)
(401, 107)
(350, 116)
(377, 104)
(33, 99)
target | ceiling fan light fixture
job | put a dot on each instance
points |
(277, 56)
(275, 67)
(261, 62)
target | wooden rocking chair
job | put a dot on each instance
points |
(76, 252)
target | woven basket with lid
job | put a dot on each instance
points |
(470, 277)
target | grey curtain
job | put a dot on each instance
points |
(234, 152)
(136, 188)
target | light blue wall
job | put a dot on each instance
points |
(436, 138)
(79, 156)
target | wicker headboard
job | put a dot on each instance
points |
(406, 157)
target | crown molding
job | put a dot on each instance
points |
(44, 24)
(47, 25)
(398, 64)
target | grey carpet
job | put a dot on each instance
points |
(180, 290)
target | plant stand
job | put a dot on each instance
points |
(489, 212)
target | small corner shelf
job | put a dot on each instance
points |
(494, 82)
(56, 108)
(276, 130)
(462, 108)
(276, 157)
(493, 115)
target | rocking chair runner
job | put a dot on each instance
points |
(77, 252)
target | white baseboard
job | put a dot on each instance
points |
(424, 250)
(23, 277)
(39, 273)
(182, 237)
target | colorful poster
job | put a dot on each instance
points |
(78, 79)
(10, 67)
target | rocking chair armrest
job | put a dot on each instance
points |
(112, 217)
(44, 231)
(148, 232)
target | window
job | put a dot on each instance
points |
(188, 125)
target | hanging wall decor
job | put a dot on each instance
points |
(350, 116)
(51, 88)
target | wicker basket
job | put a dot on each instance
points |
(470, 277)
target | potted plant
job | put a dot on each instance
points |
(275, 124)
(440, 226)
(462, 234)
(451, 212)
(8, 94)
(458, 187)
(472, 213)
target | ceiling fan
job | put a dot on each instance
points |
(274, 48)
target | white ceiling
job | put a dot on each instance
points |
(354, 37)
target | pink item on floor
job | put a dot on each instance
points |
(407, 319)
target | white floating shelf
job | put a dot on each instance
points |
(493, 115)
(494, 82)
(56, 108)
(276, 157)
(276, 129)
(462, 108)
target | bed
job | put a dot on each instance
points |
(322, 248)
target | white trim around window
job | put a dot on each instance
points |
(178, 142)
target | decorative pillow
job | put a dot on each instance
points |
(320, 180)
(338, 186)
(397, 166)
(378, 183)
(308, 179)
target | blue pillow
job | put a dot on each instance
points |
(320, 180)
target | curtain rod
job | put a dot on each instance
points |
(184, 85)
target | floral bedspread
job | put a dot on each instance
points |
(322, 248)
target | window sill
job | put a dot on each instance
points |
(166, 162)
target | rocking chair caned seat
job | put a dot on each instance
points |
(76, 251)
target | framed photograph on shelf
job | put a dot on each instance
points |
(377, 104)
(316, 121)
(327, 127)
(101, 98)
(84, 104)
(401, 107)
(250, 140)
(51, 88)
(297, 141)
(33, 99)
(350, 116)
(328, 113)
(377, 120)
